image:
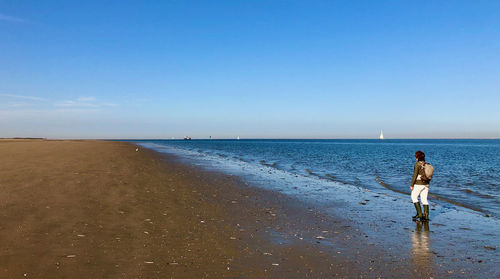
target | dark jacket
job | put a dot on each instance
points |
(418, 169)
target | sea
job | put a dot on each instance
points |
(466, 171)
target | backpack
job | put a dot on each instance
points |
(427, 172)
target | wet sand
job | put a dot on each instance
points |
(97, 209)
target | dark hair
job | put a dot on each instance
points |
(420, 155)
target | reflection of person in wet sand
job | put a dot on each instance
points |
(421, 253)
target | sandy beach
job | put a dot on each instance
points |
(100, 209)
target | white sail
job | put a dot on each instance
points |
(381, 135)
(238, 138)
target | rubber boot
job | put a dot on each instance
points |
(419, 211)
(426, 213)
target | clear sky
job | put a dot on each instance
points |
(254, 69)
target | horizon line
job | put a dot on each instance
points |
(180, 138)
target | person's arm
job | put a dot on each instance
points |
(416, 169)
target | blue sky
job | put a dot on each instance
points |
(257, 69)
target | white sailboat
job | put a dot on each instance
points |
(238, 138)
(381, 135)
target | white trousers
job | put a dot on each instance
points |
(422, 191)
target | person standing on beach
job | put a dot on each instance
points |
(420, 187)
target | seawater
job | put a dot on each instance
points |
(467, 172)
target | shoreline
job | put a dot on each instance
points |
(437, 197)
(459, 239)
(286, 238)
(476, 195)
(101, 209)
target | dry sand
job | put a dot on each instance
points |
(97, 209)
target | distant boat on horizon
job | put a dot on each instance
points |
(381, 135)
(238, 138)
